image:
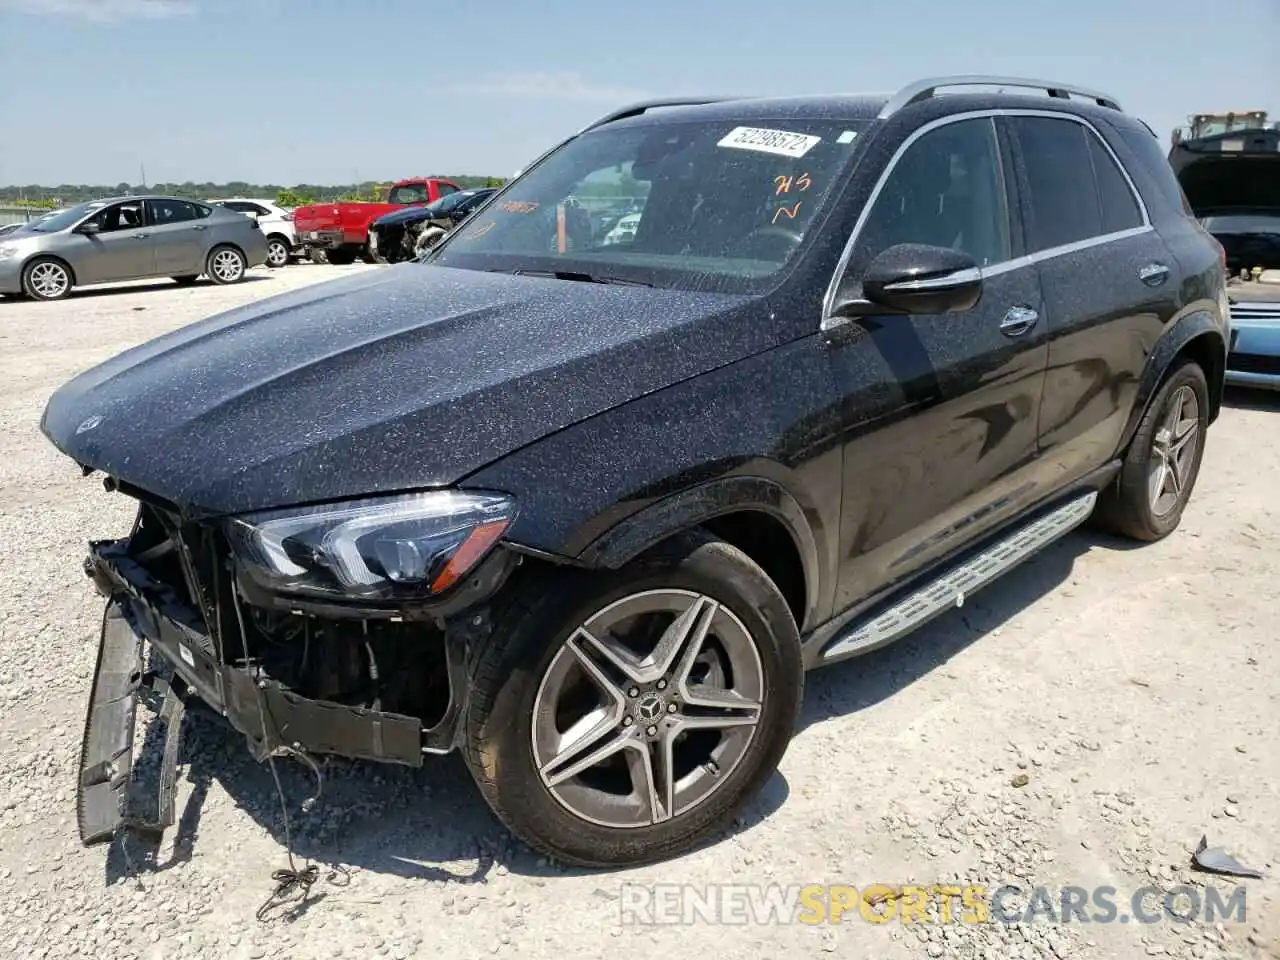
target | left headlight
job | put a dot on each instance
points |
(377, 549)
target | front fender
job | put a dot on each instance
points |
(1198, 333)
(706, 501)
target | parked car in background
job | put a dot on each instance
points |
(408, 233)
(587, 513)
(275, 222)
(129, 238)
(1228, 166)
(340, 230)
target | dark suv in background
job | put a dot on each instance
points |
(588, 511)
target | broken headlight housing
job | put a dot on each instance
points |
(384, 548)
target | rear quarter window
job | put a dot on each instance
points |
(1155, 164)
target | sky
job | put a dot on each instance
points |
(340, 91)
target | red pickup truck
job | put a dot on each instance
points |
(341, 230)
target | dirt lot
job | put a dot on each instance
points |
(1136, 689)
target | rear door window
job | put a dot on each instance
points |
(165, 212)
(1120, 210)
(1063, 198)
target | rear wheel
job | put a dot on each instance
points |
(45, 278)
(277, 252)
(1163, 461)
(226, 265)
(622, 718)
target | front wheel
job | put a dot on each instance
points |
(623, 718)
(1163, 461)
(45, 278)
(226, 265)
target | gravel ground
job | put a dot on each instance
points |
(1134, 689)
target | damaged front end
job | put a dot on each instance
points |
(365, 654)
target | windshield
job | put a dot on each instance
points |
(1243, 223)
(447, 202)
(713, 205)
(60, 221)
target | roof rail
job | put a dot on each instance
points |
(924, 89)
(635, 109)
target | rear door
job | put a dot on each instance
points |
(179, 235)
(957, 454)
(1109, 284)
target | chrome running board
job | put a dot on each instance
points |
(951, 589)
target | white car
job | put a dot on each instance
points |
(276, 223)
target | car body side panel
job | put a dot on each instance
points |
(774, 416)
(1103, 333)
(105, 257)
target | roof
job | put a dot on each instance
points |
(871, 106)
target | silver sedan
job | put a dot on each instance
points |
(128, 238)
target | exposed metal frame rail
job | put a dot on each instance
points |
(924, 89)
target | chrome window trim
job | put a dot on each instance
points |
(829, 322)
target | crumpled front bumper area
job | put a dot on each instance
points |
(142, 611)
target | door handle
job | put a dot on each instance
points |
(141, 236)
(1018, 320)
(1154, 274)
(200, 226)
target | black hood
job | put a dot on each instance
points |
(406, 377)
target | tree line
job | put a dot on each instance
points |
(68, 194)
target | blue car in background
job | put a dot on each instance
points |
(406, 234)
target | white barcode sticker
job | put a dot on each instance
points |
(780, 142)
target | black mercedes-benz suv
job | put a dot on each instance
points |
(587, 508)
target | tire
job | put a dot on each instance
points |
(277, 252)
(427, 239)
(317, 256)
(533, 654)
(226, 265)
(47, 278)
(341, 256)
(1128, 507)
(186, 280)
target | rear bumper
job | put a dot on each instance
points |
(272, 717)
(321, 239)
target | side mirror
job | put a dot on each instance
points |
(89, 227)
(917, 278)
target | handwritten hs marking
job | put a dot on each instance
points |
(783, 184)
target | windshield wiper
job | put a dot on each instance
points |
(580, 277)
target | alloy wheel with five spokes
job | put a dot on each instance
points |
(1174, 451)
(630, 733)
(619, 717)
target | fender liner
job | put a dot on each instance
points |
(1197, 325)
(706, 501)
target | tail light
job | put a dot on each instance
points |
(286, 216)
